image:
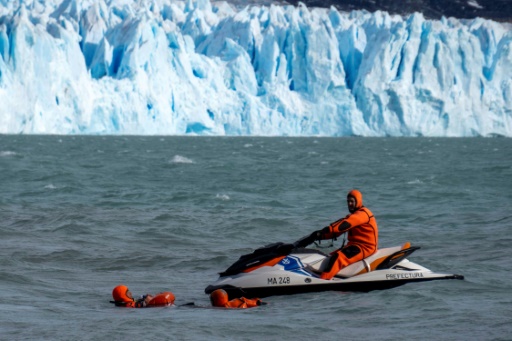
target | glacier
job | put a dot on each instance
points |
(165, 67)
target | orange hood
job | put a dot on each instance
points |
(120, 294)
(219, 298)
(358, 196)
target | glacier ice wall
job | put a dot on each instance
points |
(206, 68)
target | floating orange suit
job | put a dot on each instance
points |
(219, 298)
(162, 299)
(123, 298)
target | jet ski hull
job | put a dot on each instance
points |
(298, 273)
(251, 292)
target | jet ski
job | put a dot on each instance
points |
(285, 269)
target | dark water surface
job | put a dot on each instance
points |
(79, 215)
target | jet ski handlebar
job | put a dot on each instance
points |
(267, 253)
(306, 240)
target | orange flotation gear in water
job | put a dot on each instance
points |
(124, 298)
(219, 298)
(243, 303)
(162, 299)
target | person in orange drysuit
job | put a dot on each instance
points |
(362, 235)
(124, 298)
(219, 298)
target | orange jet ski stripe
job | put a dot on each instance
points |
(378, 261)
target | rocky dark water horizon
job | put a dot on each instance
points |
(499, 10)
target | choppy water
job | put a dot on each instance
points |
(79, 215)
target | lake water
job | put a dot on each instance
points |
(80, 215)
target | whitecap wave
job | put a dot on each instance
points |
(180, 159)
(222, 196)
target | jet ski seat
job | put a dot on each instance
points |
(366, 265)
